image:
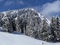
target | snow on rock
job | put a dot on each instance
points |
(4, 13)
(13, 39)
(16, 11)
(48, 21)
(16, 18)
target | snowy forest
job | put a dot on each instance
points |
(31, 23)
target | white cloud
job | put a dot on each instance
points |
(50, 9)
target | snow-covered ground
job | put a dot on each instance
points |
(15, 39)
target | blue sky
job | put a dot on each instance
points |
(48, 8)
(17, 4)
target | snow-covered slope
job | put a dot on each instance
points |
(13, 39)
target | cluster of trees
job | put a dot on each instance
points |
(51, 32)
(29, 23)
(55, 28)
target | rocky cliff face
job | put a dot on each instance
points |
(28, 22)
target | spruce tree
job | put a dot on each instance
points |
(55, 28)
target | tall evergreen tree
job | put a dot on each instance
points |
(45, 30)
(57, 31)
(55, 28)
